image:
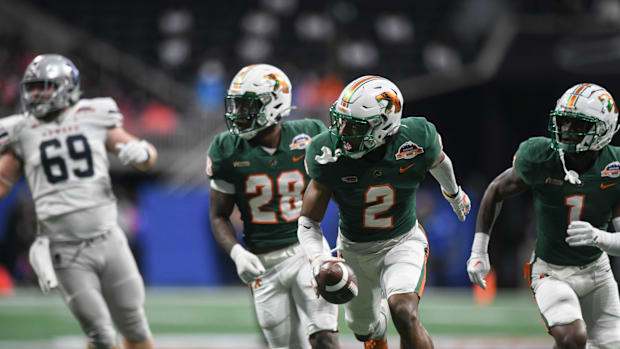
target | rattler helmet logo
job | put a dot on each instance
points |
(280, 83)
(392, 99)
(608, 102)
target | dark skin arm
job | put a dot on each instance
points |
(508, 184)
(316, 199)
(616, 211)
(221, 206)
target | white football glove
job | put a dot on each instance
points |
(41, 262)
(582, 233)
(249, 267)
(460, 203)
(478, 266)
(133, 152)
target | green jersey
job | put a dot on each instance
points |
(557, 202)
(376, 200)
(268, 188)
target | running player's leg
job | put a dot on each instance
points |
(559, 307)
(403, 294)
(123, 290)
(81, 290)
(273, 309)
(601, 309)
(319, 317)
(363, 313)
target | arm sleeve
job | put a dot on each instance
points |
(444, 174)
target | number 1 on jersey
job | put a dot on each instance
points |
(575, 206)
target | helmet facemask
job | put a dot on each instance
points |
(50, 83)
(575, 132)
(355, 135)
(245, 114)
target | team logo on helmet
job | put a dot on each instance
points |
(392, 99)
(280, 83)
(300, 141)
(408, 150)
(611, 170)
(608, 102)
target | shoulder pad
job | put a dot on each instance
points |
(103, 110)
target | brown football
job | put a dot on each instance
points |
(336, 282)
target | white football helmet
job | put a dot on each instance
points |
(51, 82)
(368, 110)
(585, 118)
(259, 96)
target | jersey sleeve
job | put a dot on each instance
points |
(432, 143)
(217, 162)
(522, 163)
(10, 128)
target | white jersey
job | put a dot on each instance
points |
(66, 165)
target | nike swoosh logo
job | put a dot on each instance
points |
(605, 186)
(478, 262)
(403, 169)
(297, 158)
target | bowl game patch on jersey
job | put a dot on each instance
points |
(612, 170)
(300, 142)
(408, 150)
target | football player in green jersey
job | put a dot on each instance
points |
(569, 272)
(258, 166)
(372, 163)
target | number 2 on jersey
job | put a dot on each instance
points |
(383, 195)
(55, 167)
(575, 206)
(289, 185)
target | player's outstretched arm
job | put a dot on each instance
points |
(309, 233)
(221, 206)
(443, 171)
(581, 233)
(508, 184)
(140, 154)
(10, 171)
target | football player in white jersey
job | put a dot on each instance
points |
(60, 144)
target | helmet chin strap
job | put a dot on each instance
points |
(571, 176)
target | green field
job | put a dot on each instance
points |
(28, 316)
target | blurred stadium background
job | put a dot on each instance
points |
(486, 72)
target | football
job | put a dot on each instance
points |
(336, 282)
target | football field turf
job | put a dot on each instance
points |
(223, 318)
